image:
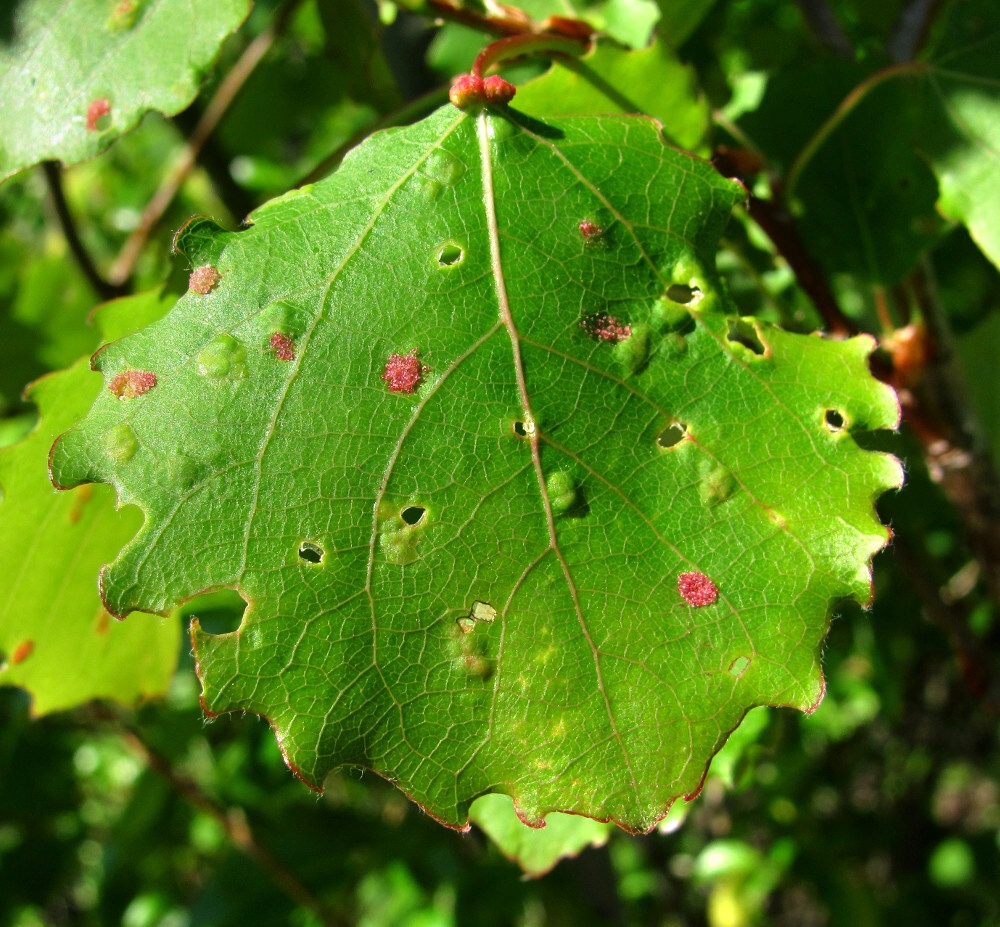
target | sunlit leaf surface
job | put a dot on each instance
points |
(517, 502)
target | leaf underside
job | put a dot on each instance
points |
(75, 76)
(473, 587)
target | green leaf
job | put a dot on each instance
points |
(43, 320)
(474, 586)
(628, 21)
(609, 79)
(962, 136)
(866, 197)
(679, 18)
(57, 639)
(75, 76)
(535, 849)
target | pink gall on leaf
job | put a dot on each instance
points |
(466, 91)
(604, 327)
(697, 589)
(203, 279)
(132, 383)
(403, 373)
(283, 346)
(498, 91)
(97, 110)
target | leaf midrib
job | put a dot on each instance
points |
(503, 301)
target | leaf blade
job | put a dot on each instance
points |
(73, 67)
(490, 602)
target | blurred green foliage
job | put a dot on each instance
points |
(883, 807)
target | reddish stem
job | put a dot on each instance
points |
(525, 44)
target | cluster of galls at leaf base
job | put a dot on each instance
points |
(470, 90)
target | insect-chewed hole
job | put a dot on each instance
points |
(413, 514)
(311, 552)
(683, 294)
(218, 612)
(739, 666)
(742, 332)
(520, 429)
(672, 434)
(450, 254)
(834, 420)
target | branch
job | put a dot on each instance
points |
(227, 92)
(952, 617)
(104, 289)
(495, 25)
(911, 29)
(779, 225)
(823, 22)
(232, 820)
(215, 161)
(957, 454)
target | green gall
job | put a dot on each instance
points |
(560, 487)
(120, 443)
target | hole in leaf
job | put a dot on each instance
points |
(739, 666)
(834, 420)
(672, 434)
(483, 611)
(683, 294)
(413, 514)
(218, 612)
(449, 255)
(520, 429)
(311, 552)
(742, 332)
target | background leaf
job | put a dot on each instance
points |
(59, 61)
(535, 849)
(962, 131)
(58, 640)
(474, 586)
(609, 79)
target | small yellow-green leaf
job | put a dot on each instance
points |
(57, 639)
(535, 849)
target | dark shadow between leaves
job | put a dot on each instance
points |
(534, 125)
